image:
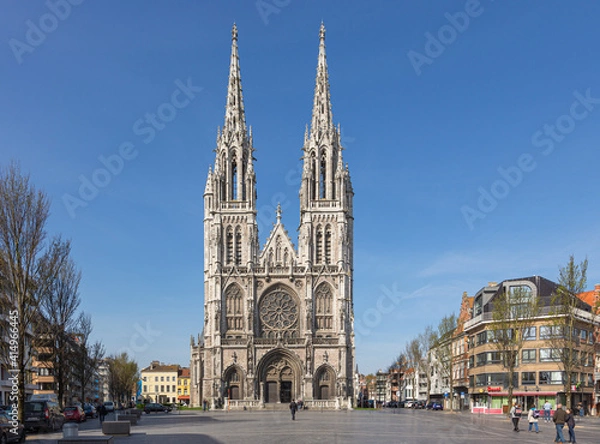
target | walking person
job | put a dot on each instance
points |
(547, 411)
(559, 418)
(102, 413)
(293, 408)
(532, 418)
(515, 416)
(570, 420)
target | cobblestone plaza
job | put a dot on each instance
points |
(404, 426)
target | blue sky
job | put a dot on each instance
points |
(471, 132)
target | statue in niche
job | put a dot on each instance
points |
(234, 357)
(326, 356)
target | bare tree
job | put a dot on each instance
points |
(58, 331)
(426, 341)
(442, 349)
(396, 371)
(514, 313)
(567, 311)
(28, 265)
(88, 354)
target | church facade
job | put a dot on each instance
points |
(278, 321)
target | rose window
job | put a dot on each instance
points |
(278, 313)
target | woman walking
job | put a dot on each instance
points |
(532, 418)
(570, 421)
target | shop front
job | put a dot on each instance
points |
(494, 400)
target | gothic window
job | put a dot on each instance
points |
(234, 179)
(323, 308)
(243, 180)
(285, 258)
(319, 252)
(322, 178)
(233, 308)
(238, 246)
(279, 314)
(313, 177)
(328, 244)
(223, 177)
(229, 246)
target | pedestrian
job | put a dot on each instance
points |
(102, 413)
(204, 405)
(515, 416)
(293, 408)
(547, 411)
(532, 418)
(559, 419)
(581, 410)
(570, 420)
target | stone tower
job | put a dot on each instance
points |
(278, 322)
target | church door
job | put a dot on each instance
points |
(272, 391)
(286, 391)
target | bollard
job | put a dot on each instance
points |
(70, 430)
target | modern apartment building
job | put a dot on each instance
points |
(539, 374)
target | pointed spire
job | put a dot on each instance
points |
(322, 119)
(235, 119)
(278, 213)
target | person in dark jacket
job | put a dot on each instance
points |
(293, 408)
(559, 418)
(570, 420)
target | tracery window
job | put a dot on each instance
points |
(229, 247)
(234, 179)
(323, 308)
(319, 249)
(328, 245)
(233, 308)
(322, 178)
(279, 314)
(238, 246)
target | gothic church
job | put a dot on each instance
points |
(278, 322)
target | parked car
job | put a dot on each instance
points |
(109, 406)
(409, 403)
(7, 429)
(43, 415)
(156, 407)
(418, 405)
(437, 406)
(90, 410)
(74, 413)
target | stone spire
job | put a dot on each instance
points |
(322, 119)
(235, 118)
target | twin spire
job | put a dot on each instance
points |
(235, 118)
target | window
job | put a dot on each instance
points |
(520, 297)
(477, 306)
(156, 388)
(328, 245)
(323, 308)
(145, 388)
(528, 378)
(552, 377)
(471, 361)
(162, 379)
(238, 246)
(319, 252)
(529, 334)
(528, 356)
(229, 257)
(173, 387)
(144, 379)
(481, 338)
(233, 308)
(167, 388)
(584, 335)
(162, 388)
(551, 331)
(156, 379)
(549, 355)
(322, 178)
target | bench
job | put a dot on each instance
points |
(87, 440)
(116, 428)
(133, 419)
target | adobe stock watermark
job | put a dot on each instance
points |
(141, 340)
(146, 128)
(446, 35)
(266, 8)
(37, 31)
(545, 138)
(387, 302)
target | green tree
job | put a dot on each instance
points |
(514, 313)
(28, 266)
(123, 375)
(567, 309)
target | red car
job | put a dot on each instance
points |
(74, 413)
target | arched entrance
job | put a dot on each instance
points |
(324, 383)
(233, 378)
(279, 377)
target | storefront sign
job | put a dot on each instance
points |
(494, 389)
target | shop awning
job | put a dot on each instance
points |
(522, 393)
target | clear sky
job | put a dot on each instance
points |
(471, 132)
